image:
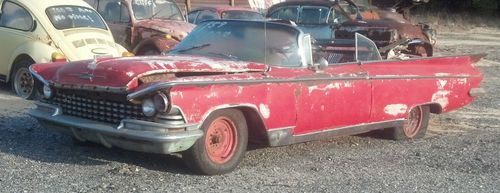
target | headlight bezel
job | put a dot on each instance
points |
(148, 107)
(47, 91)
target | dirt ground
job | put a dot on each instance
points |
(461, 153)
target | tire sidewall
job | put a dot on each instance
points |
(24, 63)
(197, 156)
(401, 135)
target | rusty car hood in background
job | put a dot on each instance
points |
(178, 29)
(126, 74)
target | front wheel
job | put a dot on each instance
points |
(415, 125)
(222, 146)
(22, 81)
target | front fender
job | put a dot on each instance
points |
(38, 51)
(160, 43)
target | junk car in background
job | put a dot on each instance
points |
(201, 14)
(334, 24)
(232, 82)
(147, 27)
(44, 31)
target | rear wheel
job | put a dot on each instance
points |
(414, 127)
(22, 81)
(222, 146)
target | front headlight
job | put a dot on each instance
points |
(161, 102)
(47, 92)
(148, 107)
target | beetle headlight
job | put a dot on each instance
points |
(47, 91)
(161, 102)
(148, 107)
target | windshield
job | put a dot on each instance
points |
(246, 41)
(66, 17)
(313, 15)
(156, 9)
(308, 15)
(247, 15)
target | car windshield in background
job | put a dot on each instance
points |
(308, 15)
(248, 15)
(313, 15)
(156, 9)
(246, 41)
(67, 17)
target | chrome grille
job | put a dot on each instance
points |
(97, 106)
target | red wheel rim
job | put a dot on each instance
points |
(221, 140)
(412, 125)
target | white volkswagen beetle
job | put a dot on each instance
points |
(49, 31)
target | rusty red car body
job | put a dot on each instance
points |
(142, 31)
(100, 100)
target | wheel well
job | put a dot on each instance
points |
(435, 108)
(18, 58)
(257, 134)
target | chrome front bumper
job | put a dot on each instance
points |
(133, 135)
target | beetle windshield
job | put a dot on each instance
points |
(261, 42)
(156, 9)
(66, 17)
(248, 15)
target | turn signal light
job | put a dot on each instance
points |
(58, 57)
(168, 36)
(128, 54)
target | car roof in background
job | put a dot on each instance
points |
(44, 4)
(224, 8)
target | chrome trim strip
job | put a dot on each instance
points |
(164, 85)
(389, 77)
(280, 137)
(281, 128)
(45, 82)
(347, 127)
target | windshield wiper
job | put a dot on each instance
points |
(191, 48)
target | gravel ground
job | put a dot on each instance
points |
(461, 153)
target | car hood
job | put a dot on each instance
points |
(178, 29)
(127, 74)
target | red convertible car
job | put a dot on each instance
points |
(230, 83)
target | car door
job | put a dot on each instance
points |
(339, 96)
(117, 16)
(16, 24)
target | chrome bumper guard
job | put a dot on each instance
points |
(133, 135)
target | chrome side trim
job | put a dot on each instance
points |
(286, 137)
(389, 77)
(165, 85)
(36, 75)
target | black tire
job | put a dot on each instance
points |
(414, 127)
(198, 157)
(22, 81)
